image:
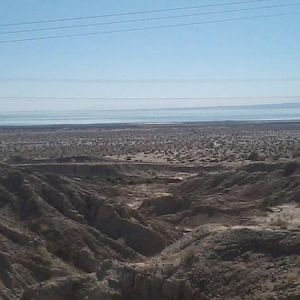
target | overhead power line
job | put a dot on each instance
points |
(34, 98)
(148, 28)
(131, 13)
(150, 80)
(150, 19)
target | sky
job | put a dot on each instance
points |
(206, 61)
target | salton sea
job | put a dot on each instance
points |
(270, 112)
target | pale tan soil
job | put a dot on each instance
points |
(284, 216)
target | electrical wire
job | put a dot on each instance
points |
(147, 28)
(149, 19)
(132, 13)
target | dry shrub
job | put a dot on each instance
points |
(290, 168)
(189, 257)
(292, 277)
(298, 261)
(280, 222)
(253, 156)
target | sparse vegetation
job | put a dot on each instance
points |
(253, 156)
(208, 224)
(189, 257)
(292, 277)
(290, 168)
(280, 222)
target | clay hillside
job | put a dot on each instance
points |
(212, 220)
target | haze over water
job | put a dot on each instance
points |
(283, 112)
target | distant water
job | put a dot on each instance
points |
(252, 113)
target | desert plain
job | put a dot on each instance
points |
(150, 212)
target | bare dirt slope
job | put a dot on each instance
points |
(53, 226)
(103, 226)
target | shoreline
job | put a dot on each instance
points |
(150, 124)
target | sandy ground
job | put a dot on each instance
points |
(174, 144)
(283, 216)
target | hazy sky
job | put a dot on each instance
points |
(256, 48)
